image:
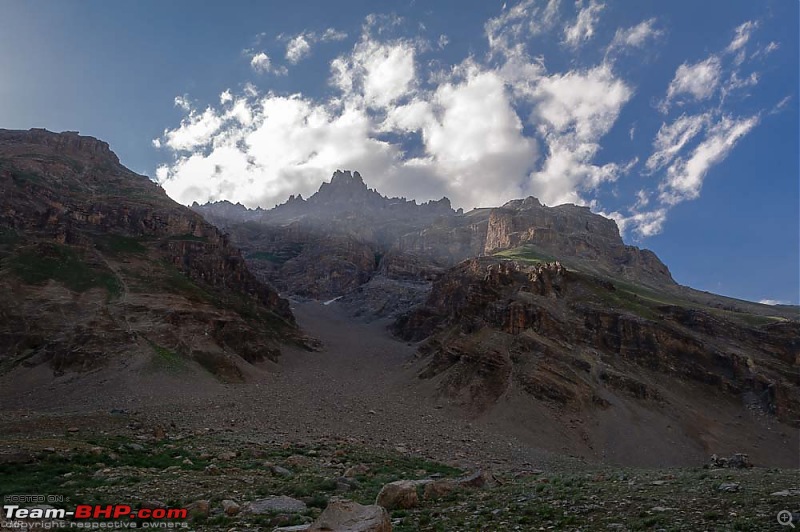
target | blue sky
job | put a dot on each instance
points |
(679, 119)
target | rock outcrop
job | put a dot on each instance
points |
(99, 265)
(574, 342)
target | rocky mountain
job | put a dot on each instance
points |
(541, 320)
(607, 368)
(100, 269)
(347, 234)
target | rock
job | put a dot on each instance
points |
(438, 489)
(73, 429)
(342, 515)
(226, 456)
(658, 482)
(401, 494)
(280, 503)
(346, 484)
(791, 492)
(298, 460)
(199, 508)
(731, 487)
(295, 528)
(356, 470)
(230, 507)
(478, 479)
(213, 469)
(280, 471)
(737, 461)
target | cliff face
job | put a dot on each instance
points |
(79, 227)
(574, 235)
(573, 345)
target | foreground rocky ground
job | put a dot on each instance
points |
(233, 481)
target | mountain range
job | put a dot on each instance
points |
(539, 321)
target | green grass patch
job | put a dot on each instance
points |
(164, 358)
(526, 253)
(119, 244)
(64, 265)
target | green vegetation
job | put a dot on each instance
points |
(526, 253)
(119, 244)
(64, 265)
(279, 256)
(166, 359)
(8, 241)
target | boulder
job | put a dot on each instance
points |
(439, 488)
(230, 507)
(398, 494)
(343, 515)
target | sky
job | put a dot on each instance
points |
(677, 119)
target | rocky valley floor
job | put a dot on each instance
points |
(342, 421)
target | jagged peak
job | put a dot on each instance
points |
(346, 177)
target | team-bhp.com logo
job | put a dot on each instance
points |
(90, 515)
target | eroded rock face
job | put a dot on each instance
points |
(572, 232)
(79, 232)
(579, 342)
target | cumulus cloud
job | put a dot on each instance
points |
(380, 73)
(481, 131)
(297, 49)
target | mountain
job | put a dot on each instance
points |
(542, 321)
(101, 271)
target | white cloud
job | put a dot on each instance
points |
(699, 80)
(482, 131)
(299, 46)
(671, 138)
(332, 34)
(573, 112)
(636, 36)
(195, 131)
(380, 73)
(261, 62)
(297, 49)
(584, 26)
(743, 33)
(685, 176)
(773, 302)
